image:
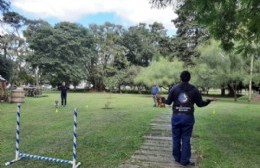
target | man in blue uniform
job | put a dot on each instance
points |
(183, 96)
(63, 91)
(155, 91)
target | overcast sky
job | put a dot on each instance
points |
(123, 12)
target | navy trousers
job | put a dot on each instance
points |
(63, 99)
(182, 125)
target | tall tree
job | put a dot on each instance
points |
(256, 76)
(6, 68)
(189, 33)
(110, 54)
(4, 6)
(163, 72)
(159, 40)
(217, 68)
(62, 52)
(13, 44)
(137, 41)
(224, 20)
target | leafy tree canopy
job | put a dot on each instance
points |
(4, 6)
(5, 68)
(163, 72)
(62, 52)
(223, 18)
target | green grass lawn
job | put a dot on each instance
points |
(107, 137)
(231, 137)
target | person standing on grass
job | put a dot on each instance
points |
(155, 91)
(63, 91)
(183, 96)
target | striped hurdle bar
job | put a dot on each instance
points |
(19, 155)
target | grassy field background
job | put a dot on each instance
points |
(227, 134)
(106, 137)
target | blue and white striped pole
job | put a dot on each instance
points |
(50, 159)
(17, 150)
(17, 141)
(74, 157)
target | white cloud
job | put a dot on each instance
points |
(129, 11)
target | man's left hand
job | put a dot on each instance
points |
(213, 99)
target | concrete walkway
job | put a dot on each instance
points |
(156, 152)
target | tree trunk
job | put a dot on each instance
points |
(235, 92)
(223, 91)
(139, 89)
(230, 91)
(37, 76)
(5, 51)
(251, 77)
(119, 88)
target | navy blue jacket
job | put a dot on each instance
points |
(184, 96)
(63, 90)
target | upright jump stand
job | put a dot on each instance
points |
(19, 155)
